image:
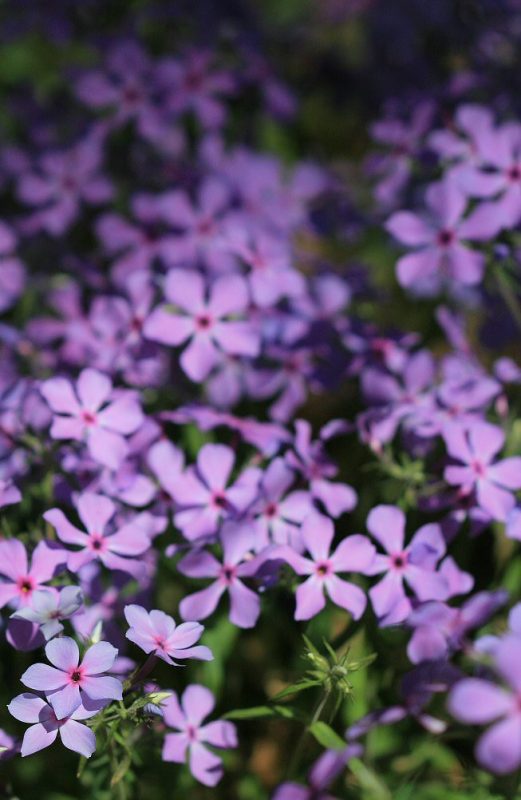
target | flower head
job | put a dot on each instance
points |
(156, 632)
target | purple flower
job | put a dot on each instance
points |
(206, 322)
(238, 541)
(69, 683)
(477, 702)
(19, 580)
(12, 271)
(311, 460)
(156, 632)
(45, 725)
(353, 554)
(93, 414)
(324, 771)
(59, 184)
(415, 564)
(476, 447)
(191, 736)
(277, 512)
(116, 551)
(9, 494)
(439, 630)
(438, 239)
(204, 495)
(47, 608)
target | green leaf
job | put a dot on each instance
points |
(256, 712)
(369, 781)
(301, 686)
(326, 736)
(121, 771)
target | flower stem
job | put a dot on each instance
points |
(143, 672)
(317, 711)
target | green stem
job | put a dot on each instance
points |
(508, 296)
(297, 753)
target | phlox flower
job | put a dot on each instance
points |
(116, 550)
(204, 495)
(47, 608)
(415, 564)
(476, 701)
(191, 737)
(18, 580)
(69, 683)
(45, 725)
(353, 554)
(205, 323)
(90, 412)
(238, 541)
(475, 447)
(156, 632)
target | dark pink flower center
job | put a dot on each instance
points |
(191, 732)
(26, 585)
(219, 500)
(270, 510)
(97, 542)
(203, 322)
(228, 573)
(76, 675)
(205, 226)
(131, 94)
(514, 173)
(137, 324)
(445, 237)
(88, 417)
(69, 184)
(479, 468)
(399, 560)
(323, 569)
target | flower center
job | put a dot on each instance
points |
(97, 542)
(219, 500)
(399, 560)
(26, 585)
(191, 732)
(323, 568)
(514, 173)
(76, 675)
(270, 510)
(227, 573)
(203, 322)
(88, 417)
(479, 468)
(445, 237)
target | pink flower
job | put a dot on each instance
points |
(20, 580)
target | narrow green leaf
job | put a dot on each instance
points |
(326, 736)
(295, 688)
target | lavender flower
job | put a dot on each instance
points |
(191, 736)
(155, 632)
